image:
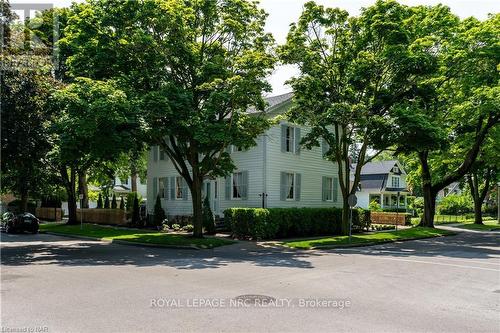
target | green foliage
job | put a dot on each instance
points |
(259, 223)
(456, 204)
(352, 71)
(113, 202)
(158, 214)
(122, 203)
(130, 200)
(176, 227)
(375, 206)
(25, 128)
(99, 201)
(208, 218)
(188, 228)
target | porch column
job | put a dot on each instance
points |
(381, 200)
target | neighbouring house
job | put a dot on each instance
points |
(453, 188)
(383, 182)
(124, 186)
(276, 172)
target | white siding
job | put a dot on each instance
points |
(309, 163)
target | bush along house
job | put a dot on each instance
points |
(274, 173)
(385, 183)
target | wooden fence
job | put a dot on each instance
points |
(49, 213)
(103, 216)
(390, 218)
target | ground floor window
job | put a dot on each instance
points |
(237, 184)
(162, 187)
(179, 188)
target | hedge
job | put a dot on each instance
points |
(259, 223)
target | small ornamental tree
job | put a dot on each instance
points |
(135, 211)
(99, 201)
(106, 201)
(113, 202)
(122, 204)
(208, 218)
(159, 213)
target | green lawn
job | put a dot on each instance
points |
(135, 236)
(379, 237)
(488, 225)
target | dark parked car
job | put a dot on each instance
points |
(19, 223)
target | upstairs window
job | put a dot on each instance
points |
(395, 182)
(290, 139)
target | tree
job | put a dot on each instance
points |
(208, 218)
(352, 70)
(106, 201)
(135, 211)
(196, 67)
(99, 201)
(25, 140)
(454, 106)
(158, 214)
(93, 127)
(113, 202)
(485, 173)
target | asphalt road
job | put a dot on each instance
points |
(57, 284)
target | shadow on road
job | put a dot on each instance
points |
(54, 250)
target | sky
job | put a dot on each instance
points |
(283, 12)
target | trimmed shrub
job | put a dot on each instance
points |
(122, 204)
(361, 220)
(135, 212)
(113, 202)
(259, 223)
(208, 218)
(106, 202)
(99, 201)
(159, 214)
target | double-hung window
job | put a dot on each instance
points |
(395, 182)
(179, 188)
(162, 187)
(290, 186)
(289, 139)
(237, 183)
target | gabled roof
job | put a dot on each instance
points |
(379, 167)
(274, 102)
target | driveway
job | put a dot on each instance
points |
(57, 284)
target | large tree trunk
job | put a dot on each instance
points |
(197, 207)
(133, 181)
(344, 228)
(429, 208)
(478, 214)
(83, 188)
(70, 186)
(23, 206)
(430, 193)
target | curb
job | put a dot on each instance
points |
(122, 242)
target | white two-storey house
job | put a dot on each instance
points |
(276, 172)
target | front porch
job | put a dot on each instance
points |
(390, 200)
